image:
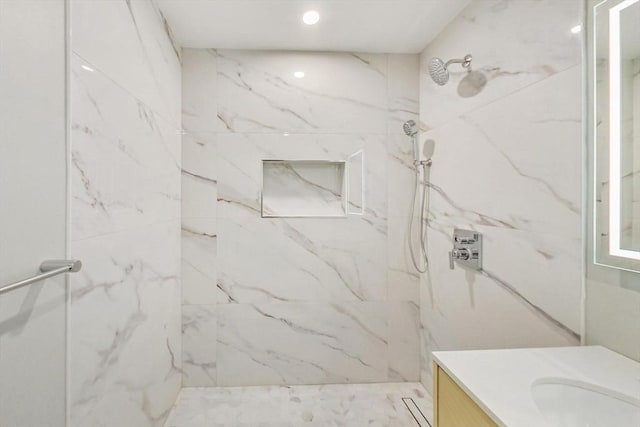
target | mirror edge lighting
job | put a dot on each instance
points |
(606, 254)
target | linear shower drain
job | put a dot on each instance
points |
(415, 412)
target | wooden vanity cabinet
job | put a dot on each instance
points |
(452, 406)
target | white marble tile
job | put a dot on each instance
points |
(317, 259)
(125, 159)
(356, 183)
(340, 92)
(543, 272)
(507, 163)
(130, 42)
(200, 156)
(199, 248)
(199, 195)
(508, 154)
(200, 95)
(124, 316)
(464, 309)
(124, 329)
(199, 343)
(515, 43)
(199, 219)
(403, 86)
(240, 159)
(547, 270)
(528, 294)
(403, 277)
(326, 405)
(302, 343)
(306, 188)
(337, 260)
(244, 107)
(404, 341)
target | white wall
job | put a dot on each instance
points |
(613, 310)
(124, 322)
(508, 164)
(33, 160)
(296, 300)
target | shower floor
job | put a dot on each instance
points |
(325, 405)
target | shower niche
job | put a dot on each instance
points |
(311, 188)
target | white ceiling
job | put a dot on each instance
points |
(389, 26)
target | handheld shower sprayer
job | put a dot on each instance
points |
(421, 264)
(410, 128)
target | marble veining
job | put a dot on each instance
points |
(303, 343)
(258, 92)
(511, 51)
(330, 283)
(304, 188)
(131, 42)
(125, 341)
(519, 144)
(328, 405)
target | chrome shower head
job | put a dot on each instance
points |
(410, 128)
(439, 70)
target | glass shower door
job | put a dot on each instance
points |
(33, 211)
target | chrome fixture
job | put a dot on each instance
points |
(410, 128)
(439, 70)
(48, 268)
(467, 249)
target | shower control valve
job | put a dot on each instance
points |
(458, 254)
(467, 249)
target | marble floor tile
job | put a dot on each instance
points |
(328, 405)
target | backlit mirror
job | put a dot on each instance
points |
(616, 132)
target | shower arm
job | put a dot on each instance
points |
(466, 61)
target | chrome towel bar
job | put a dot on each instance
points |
(49, 268)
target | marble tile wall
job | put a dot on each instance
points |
(296, 300)
(124, 319)
(507, 163)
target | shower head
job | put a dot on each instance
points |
(410, 128)
(439, 70)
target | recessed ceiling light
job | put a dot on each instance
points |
(86, 67)
(311, 17)
(576, 29)
(298, 74)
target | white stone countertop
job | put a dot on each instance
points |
(499, 381)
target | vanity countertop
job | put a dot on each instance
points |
(500, 381)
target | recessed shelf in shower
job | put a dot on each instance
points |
(304, 188)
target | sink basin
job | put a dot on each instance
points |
(569, 403)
